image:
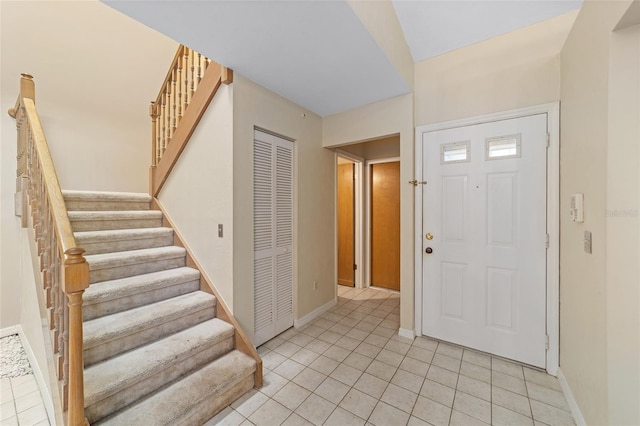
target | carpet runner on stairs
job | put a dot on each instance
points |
(154, 351)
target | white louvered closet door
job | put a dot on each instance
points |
(273, 235)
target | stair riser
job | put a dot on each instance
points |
(91, 311)
(216, 403)
(180, 367)
(141, 337)
(103, 225)
(87, 205)
(116, 272)
(100, 247)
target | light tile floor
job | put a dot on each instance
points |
(21, 403)
(350, 367)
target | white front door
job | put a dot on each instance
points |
(484, 210)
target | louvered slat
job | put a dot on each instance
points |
(263, 196)
(263, 293)
(284, 196)
(284, 288)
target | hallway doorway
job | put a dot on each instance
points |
(356, 165)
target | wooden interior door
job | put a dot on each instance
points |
(346, 229)
(385, 225)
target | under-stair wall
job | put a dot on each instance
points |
(197, 194)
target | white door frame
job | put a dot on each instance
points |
(553, 215)
(368, 208)
(359, 216)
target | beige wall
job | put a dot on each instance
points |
(388, 147)
(515, 70)
(314, 209)
(198, 194)
(392, 116)
(623, 227)
(95, 71)
(589, 342)
(34, 324)
(380, 19)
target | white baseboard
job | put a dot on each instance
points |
(300, 322)
(8, 331)
(573, 404)
(407, 333)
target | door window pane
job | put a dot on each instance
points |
(503, 147)
(456, 152)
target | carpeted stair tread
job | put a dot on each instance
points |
(89, 200)
(120, 380)
(107, 297)
(108, 266)
(113, 327)
(70, 194)
(97, 215)
(113, 240)
(175, 404)
(121, 234)
(114, 219)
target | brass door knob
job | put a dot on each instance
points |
(429, 236)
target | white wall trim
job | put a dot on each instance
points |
(406, 333)
(301, 322)
(418, 231)
(9, 331)
(359, 214)
(573, 404)
(35, 367)
(553, 215)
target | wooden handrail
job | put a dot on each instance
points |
(65, 271)
(191, 83)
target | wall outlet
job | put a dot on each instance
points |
(315, 284)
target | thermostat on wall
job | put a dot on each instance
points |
(576, 210)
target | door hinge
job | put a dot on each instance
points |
(546, 241)
(548, 140)
(546, 342)
(355, 267)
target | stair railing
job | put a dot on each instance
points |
(191, 83)
(64, 270)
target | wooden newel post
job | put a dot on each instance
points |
(75, 281)
(27, 87)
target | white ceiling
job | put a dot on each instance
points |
(317, 53)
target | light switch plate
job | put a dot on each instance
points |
(587, 242)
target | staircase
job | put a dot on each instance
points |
(154, 351)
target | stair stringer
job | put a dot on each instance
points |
(241, 340)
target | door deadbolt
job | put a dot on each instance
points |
(428, 250)
(429, 236)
